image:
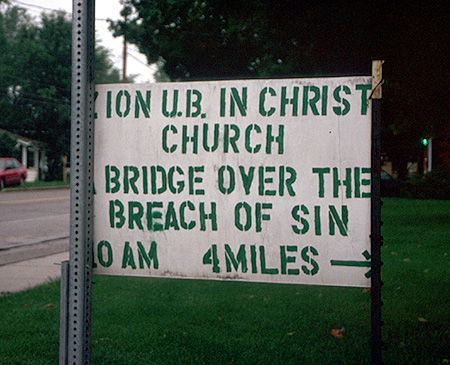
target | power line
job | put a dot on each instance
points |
(137, 59)
(32, 5)
(50, 9)
(35, 81)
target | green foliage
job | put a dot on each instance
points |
(216, 39)
(168, 321)
(435, 185)
(35, 79)
(105, 73)
(30, 326)
(416, 275)
(7, 145)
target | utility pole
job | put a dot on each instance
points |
(125, 13)
(124, 65)
(375, 235)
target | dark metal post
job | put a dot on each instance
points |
(63, 312)
(376, 239)
(81, 184)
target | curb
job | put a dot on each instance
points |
(11, 190)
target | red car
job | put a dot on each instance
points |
(11, 172)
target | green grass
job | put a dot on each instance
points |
(162, 321)
(40, 184)
(416, 274)
(44, 184)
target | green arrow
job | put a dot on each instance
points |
(366, 254)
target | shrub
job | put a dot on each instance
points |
(435, 185)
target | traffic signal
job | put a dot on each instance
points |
(424, 141)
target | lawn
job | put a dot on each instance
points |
(161, 321)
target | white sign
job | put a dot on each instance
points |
(256, 180)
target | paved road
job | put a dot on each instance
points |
(33, 223)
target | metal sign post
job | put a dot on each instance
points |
(376, 239)
(75, 341)
(229, 223)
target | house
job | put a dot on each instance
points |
(32, 156)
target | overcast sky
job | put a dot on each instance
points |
(104, 9)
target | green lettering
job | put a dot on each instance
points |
(183, 222)
(115, 179)
(186, 139)
(130, 181)
(253, 259)
(135, 214)
(262, 102)
(144, 104)
(153, 215)
(285, 101)
(317, 222)
(347, 182)
(210, 258)
(241, 259)
(248, 146)
(364, 99)
(311, 102)
(222, 101)
(154, 172)
(321, 172)
(205, 138)
(366, 182)
(227, 140)
(108, 104)
(212, 216)
(119, 96)
(107, 179)
(315, 267)
(173, 112)
(152, 255)
(264, 269)
(180, 183)
(237, 216)
(193, 179)
(145, 179)
(335, 219)
(265, 180)
(338, 109)
(241, 103)
(101, 260)
(247, 179)
(128, 257)
(231, 180)
(292, 178)
(285, 259)
(295, 214)
(165, 146)
(260, 216)
(324, 99)
(171, 218)
(279, 139)
(116, 214)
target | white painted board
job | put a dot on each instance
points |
(254, 180)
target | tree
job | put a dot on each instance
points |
(214, 39)
(35, 80)
(105, 72)
(7, 145)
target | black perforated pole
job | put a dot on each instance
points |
(81, 186)
(375, 237)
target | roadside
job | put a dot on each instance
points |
(29, 273)
(21, 252)
(40, 185)
(34, 228)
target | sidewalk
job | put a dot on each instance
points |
(27, 274)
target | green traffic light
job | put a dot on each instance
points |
(424, 141)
